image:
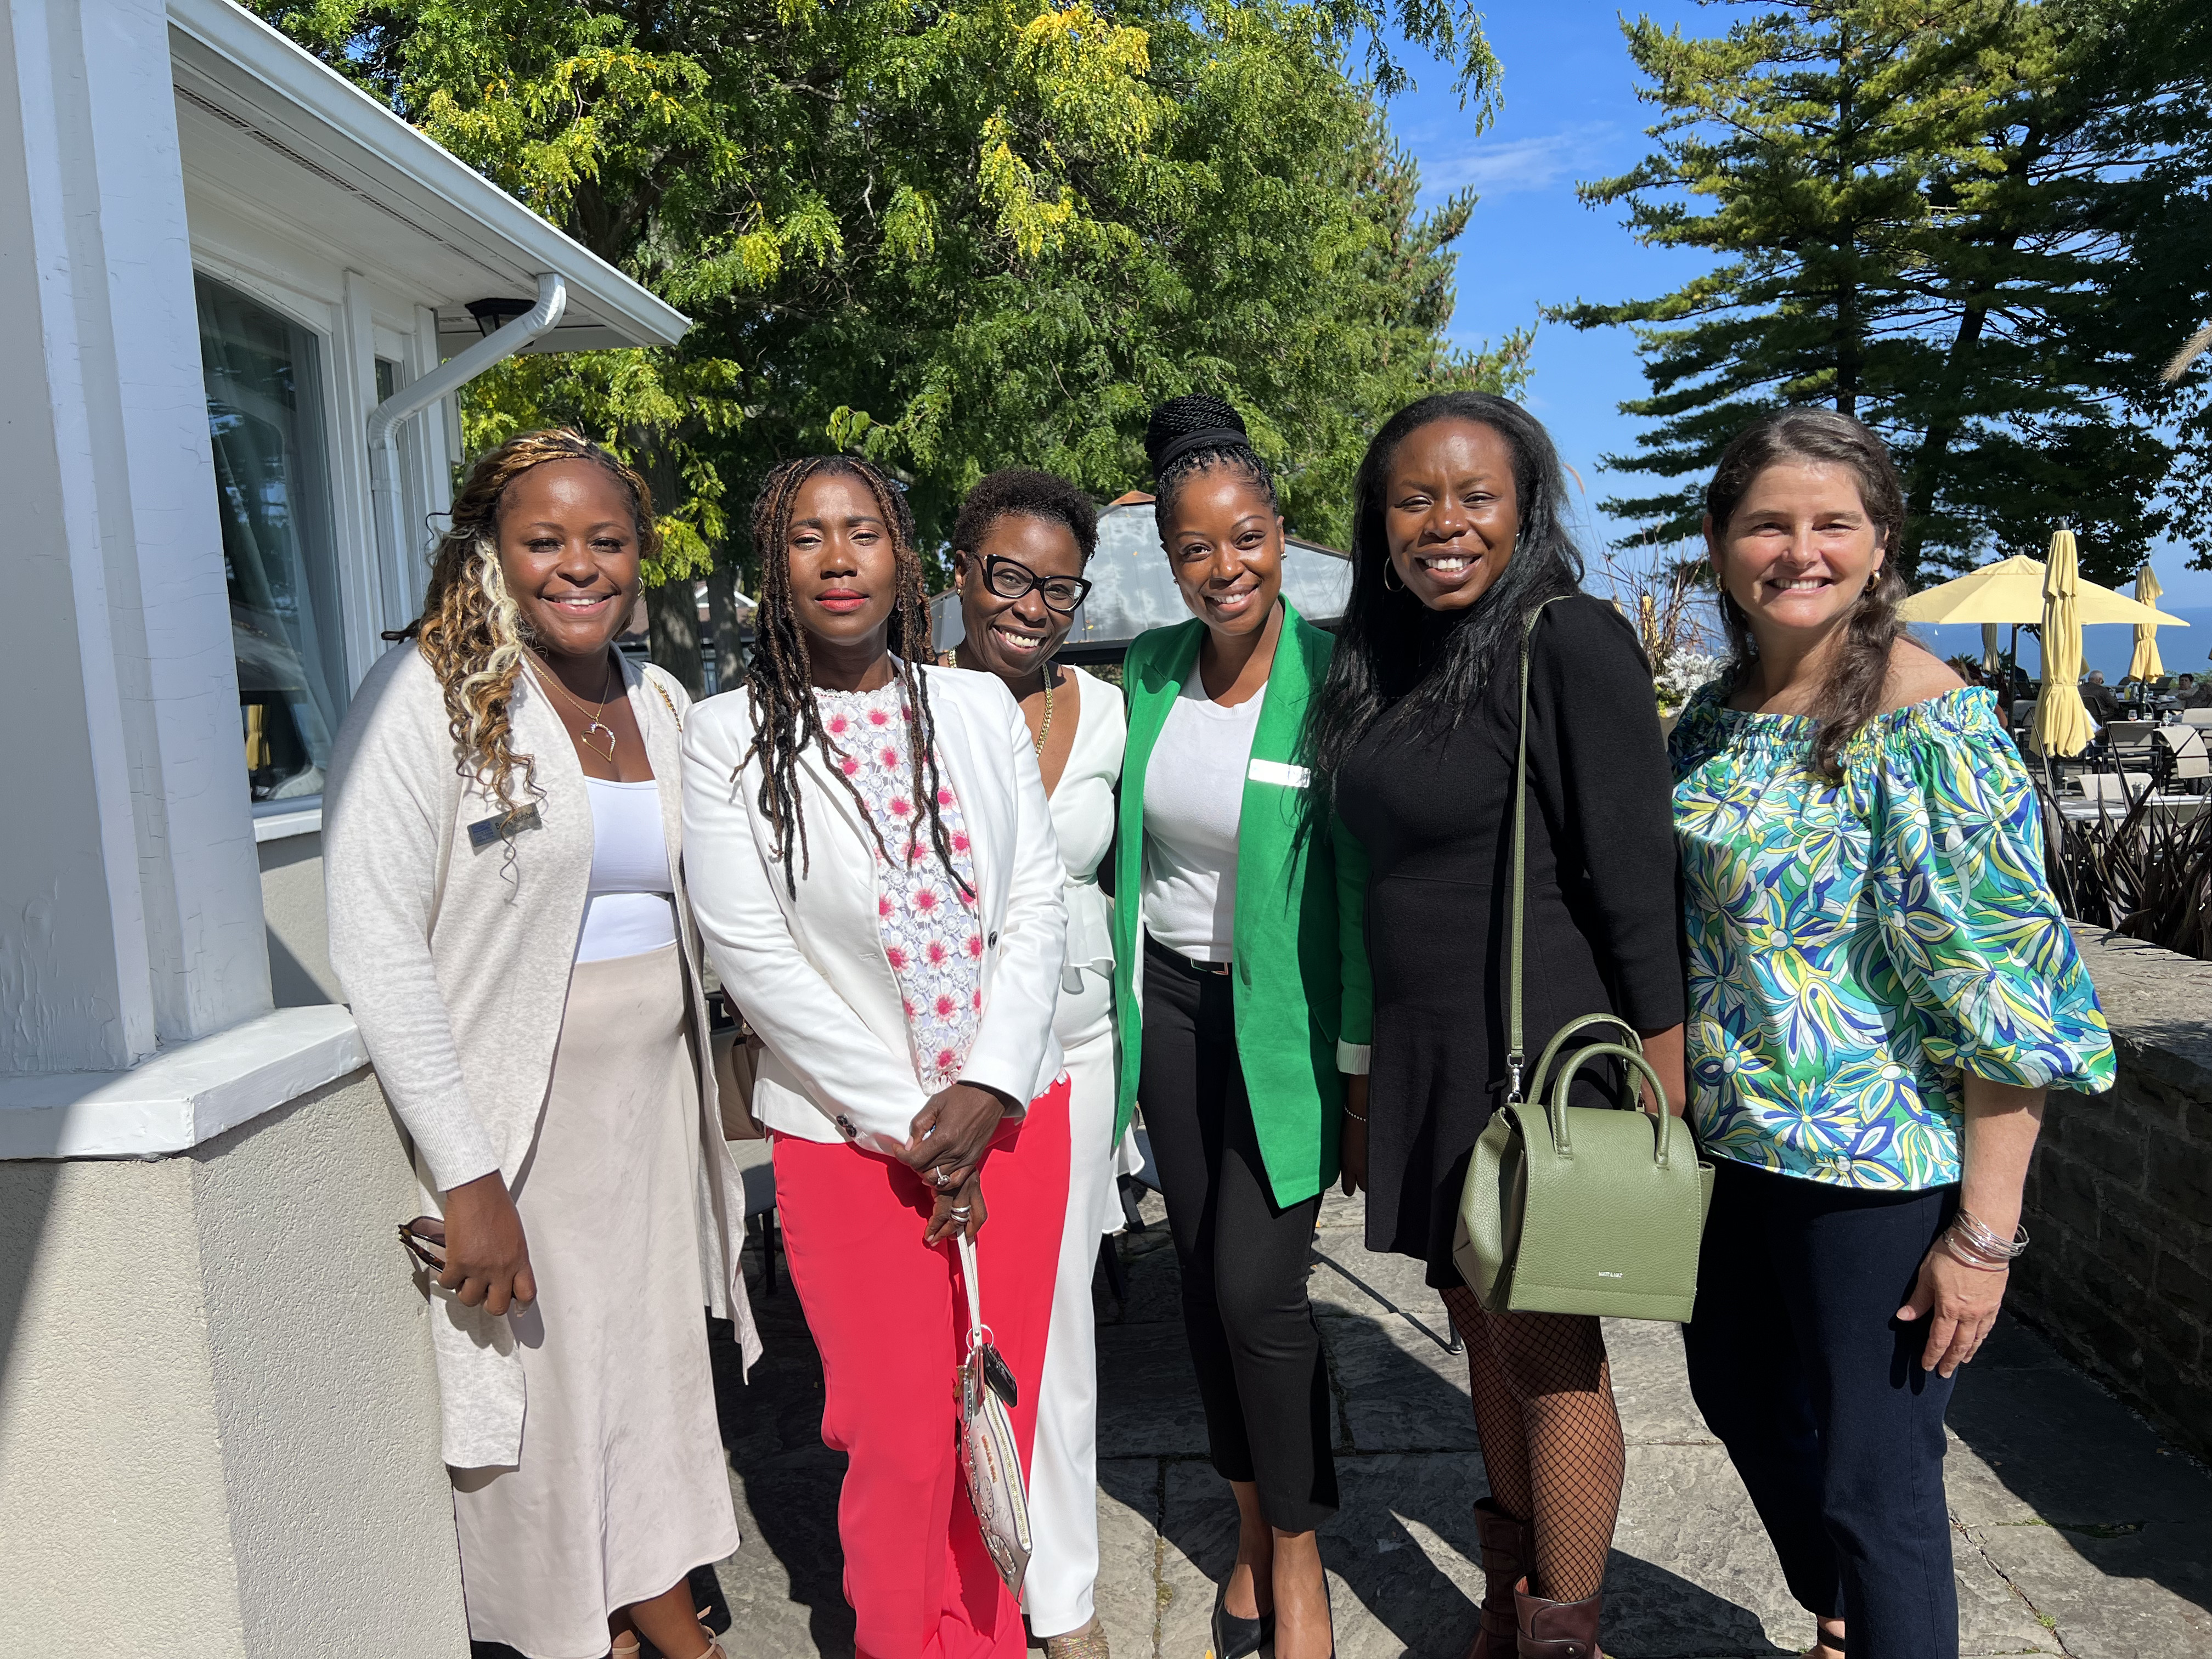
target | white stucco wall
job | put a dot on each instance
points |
(215, 1394)
(107, 1433)
(298, 923)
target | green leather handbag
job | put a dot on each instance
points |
(1578, 1209)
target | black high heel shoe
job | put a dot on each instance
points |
(1235, 1637)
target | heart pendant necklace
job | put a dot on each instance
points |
(593, 722)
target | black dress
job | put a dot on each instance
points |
(1604, 917)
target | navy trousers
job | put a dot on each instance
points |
(1800, 1366)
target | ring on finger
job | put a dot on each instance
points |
(962, 1212)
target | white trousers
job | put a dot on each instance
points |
(1064, 1466)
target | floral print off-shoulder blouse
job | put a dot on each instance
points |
(1855, 948)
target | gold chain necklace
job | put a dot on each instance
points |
(593, 722)
(1045, 730)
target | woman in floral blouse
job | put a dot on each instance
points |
(1881, 989)
(873, 868)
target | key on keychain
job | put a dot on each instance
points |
(1000, 1377)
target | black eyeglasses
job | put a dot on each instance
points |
(1010, 578)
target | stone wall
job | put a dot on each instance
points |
(2119, 1197)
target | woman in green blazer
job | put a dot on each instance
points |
(1245, 1016)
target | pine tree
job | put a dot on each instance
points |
(1921, 212)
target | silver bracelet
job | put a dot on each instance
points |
(1986, 1243)
(1353, 1116)
(1964, 1254)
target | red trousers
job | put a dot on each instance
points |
(889, 1315)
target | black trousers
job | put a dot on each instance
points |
(1244, 1260)
(1800, 1366)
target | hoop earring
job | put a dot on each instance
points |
(1388, 566)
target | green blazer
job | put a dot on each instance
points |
(1300, 980)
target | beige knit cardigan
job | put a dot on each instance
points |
(454, 953)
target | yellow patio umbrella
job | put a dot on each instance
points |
(2063, 726)
(2144, 665)
(2011, 591)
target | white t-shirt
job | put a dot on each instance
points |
(632, 907)
(1193, 801)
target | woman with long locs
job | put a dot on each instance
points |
(1459, 540)
(504, 845)
(874, 866)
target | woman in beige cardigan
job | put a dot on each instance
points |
(503, 845)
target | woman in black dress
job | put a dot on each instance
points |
(1458, 535)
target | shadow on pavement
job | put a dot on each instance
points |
(2061, 1454)
(1403, 1540)
(787, 1479)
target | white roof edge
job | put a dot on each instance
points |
(235, 34)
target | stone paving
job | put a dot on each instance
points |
(2077, 1530)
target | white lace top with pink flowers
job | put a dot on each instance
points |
(931, 935)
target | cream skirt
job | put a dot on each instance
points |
(623, 1487)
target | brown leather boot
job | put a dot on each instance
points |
(1557, 1630)
(1506, 1552)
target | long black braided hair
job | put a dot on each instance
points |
(1195, 433)
(780, 686)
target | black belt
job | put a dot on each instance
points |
(1190, 965)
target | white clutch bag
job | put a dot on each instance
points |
(988, 1451)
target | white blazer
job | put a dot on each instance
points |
(810, 972)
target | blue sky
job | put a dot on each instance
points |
(1571, 113)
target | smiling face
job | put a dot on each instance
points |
(1798, 550)
(568, 549)
(1013, 638)
(844, 566)
(1225, 545)
(1451, 514)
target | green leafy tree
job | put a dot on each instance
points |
(1922, 212)
(954, 236)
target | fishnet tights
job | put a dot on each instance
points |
(1551, 1436)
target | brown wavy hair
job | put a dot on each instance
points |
(780, 684)
(471, 632)
(1851, 693)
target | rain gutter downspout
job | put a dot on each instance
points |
(418, 395)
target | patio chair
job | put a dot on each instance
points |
(2129, 738)
(2122, 789)
(2200, 718)
(2186, 763)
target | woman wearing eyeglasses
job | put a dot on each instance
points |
(1019, 548)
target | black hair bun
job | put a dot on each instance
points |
(1180, 418)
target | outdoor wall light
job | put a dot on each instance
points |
(492, 315)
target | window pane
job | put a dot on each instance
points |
(263, 421)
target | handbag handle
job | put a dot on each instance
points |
(1628, 1036)
(979, 1333)
(1516, 1055)
(1632, 1063)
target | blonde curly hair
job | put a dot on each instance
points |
(471, 632)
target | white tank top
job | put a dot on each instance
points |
(632, 907)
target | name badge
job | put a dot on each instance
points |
(484, 832)
(1267, 771)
